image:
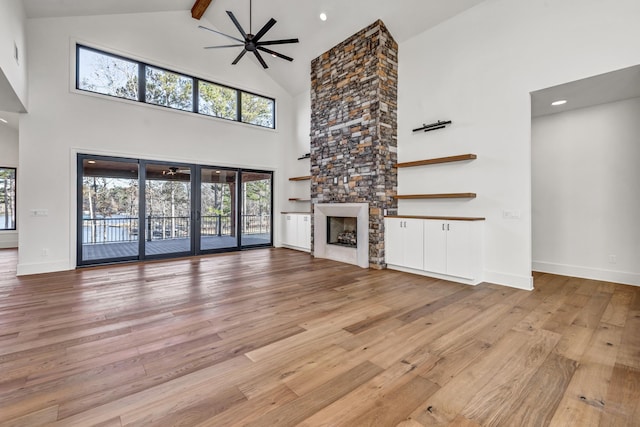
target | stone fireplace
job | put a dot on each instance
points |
(354, 139)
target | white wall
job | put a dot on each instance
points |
(62, 122)
(586, 203)
(8, 158)
(300, 145)
(12, 33)
(478, 69)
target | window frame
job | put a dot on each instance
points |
(15, 199)
(142, 83)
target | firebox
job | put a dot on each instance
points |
(342, 231)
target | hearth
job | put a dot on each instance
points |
(350, 235)
(342, 231)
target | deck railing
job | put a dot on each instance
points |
(126, 229)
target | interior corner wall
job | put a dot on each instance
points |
(8, 158)
(12, 35)
(586, 202)
(62, 122)
(478, 69)
(300, 145)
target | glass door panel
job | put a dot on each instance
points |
(108, 203)
(255, 221)
(218, 209)
(167, 210)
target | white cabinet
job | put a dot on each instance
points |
(450, 249)
(303, 231)
(404, 242)
(296, 230)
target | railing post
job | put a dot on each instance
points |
(219, 224)
(149, 228)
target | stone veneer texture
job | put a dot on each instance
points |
(354, 128)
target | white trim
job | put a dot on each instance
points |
(42, 267)
(626, 278)
(470, 282)
(510, 280)
(321, 249)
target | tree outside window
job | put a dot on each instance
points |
(7, 198)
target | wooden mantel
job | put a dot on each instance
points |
(199, 7)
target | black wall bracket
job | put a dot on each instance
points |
(433, 126)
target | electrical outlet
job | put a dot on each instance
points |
(613, 259)
(335, 179)
(345, 179)
(45, 252)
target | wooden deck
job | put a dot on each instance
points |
(275, 337)
(98, 251)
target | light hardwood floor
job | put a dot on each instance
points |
(277, 338)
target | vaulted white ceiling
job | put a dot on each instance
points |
(296, 18)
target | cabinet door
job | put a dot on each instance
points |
(289, 229)
(304, 231)
(393, 241)
(435, 246)
(461, 249)
(413, 243)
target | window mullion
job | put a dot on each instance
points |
(142, 82)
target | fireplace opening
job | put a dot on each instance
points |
(342, 231)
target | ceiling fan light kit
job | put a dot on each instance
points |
(252, 42)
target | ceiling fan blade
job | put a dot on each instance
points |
(264, 64)
(264, 29)
(236, 23)
(271, 52)
(284, 41)
(228, 45)
(222, 34)
(235, 61)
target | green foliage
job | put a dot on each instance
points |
(169, 89)
(218, 101)
(257, 110)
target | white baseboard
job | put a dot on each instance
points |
(462, 280)
(623, 277)
(42, 267)
(8, 239)
(510, 280)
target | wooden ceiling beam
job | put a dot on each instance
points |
(199, 7)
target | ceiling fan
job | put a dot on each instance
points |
(252, 42)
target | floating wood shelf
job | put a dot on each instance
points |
(295, 199)
(459, 158)
(437, 196)
(300, 178)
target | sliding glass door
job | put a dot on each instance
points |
(108, 203)
(218, 209)
(257, 187)
(130, 209)
(167, 218)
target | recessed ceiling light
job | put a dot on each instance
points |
(559, 102)
(323, 16)
(91, 162)
(3, 120)
(217, 171)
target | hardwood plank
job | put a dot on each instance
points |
(276, 335)
(498, 396)
(622, 398)
(297, 410)
(538, 400)
(585, 397)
